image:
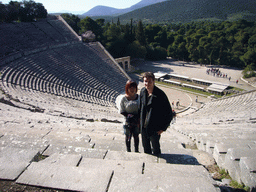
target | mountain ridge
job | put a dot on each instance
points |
(101, 10)
(189, 10)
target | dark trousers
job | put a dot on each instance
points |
(152, 140)
(128, 142)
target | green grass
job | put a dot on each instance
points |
(188, 89)
(233, 89)
(224, 174)
(237, 185)
(220, 174)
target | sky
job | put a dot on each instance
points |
(79, 6)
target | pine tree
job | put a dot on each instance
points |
(140, 35)
(118, 22)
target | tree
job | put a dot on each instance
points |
(140, 35)
(12, 11)
(171, 50)
(252, 42)
(100, 22)
(118, 22)
(249, 58)
(73, 21)
(170, 38)
(117, 48)
(40, 11)
(113, 32)
(182, 52)
(128, 35)
(135, 50)
(151, 31)
(3, 12)
(26, 11)
(249, 71)
(223, 44)
(154, 54)
(161, 38)
(30, 11)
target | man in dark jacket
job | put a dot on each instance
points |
(155, 114)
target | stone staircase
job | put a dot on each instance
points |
(42, 150)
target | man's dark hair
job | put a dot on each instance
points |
(149, 75)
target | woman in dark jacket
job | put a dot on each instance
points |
(155, 114)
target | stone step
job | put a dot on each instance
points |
(13, 161)
(248, 171)
(165, 177)
(119, 171)
(66, 177)
(155, 183)
(232, 159)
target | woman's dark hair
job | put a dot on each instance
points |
(130, 84)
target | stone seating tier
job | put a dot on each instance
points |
(225, 128)
(33, 66)
(80, 156)
(28, 36)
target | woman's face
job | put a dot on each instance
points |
(132, 91)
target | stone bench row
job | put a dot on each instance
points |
(232, 102)
(117, 171)
(66, 106)
(242, 107)
(49, 62)
(226, 129)
(31, 79)
(217, 118)
(60, 91)
(94, 65)
(69, 72)
(98, 50)
(63, 29)
(228, 145)
(26, 36)
(90, 154)
(90, 68)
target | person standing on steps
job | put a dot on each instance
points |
(178, 104)
(129, 108)
(155, 114)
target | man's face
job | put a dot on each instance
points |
(149, 83)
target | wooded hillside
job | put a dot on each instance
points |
(190, 10)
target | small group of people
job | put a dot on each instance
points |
(177, 104)
(148, 114)
(216, 72)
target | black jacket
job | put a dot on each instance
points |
(158, 109)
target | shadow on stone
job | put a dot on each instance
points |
(182, 159)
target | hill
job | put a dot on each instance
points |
(104, 10)
(189, 10)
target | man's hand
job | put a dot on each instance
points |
(160, 132)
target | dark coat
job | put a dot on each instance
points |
(159, 111)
